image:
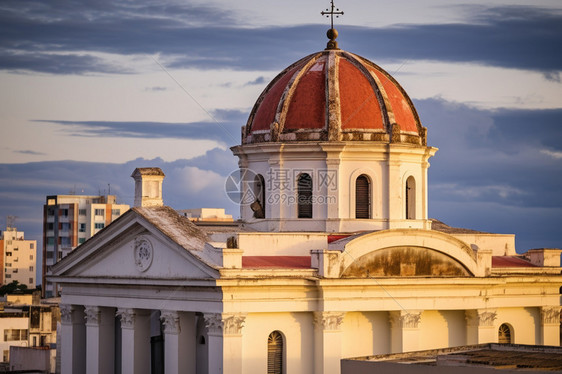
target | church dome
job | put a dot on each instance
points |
(334, 95)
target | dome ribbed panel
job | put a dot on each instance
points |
(359, 106)
(307, 109)
(265, 115)
(400, 105)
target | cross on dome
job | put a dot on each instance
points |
(331, 13)
(332, 33)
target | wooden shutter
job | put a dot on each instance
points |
(304, 195)
(275, 353)
(504, 334)
(362, 198)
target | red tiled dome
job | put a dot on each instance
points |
(334, 95)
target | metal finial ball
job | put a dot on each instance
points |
(332, 34)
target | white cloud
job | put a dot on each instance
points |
(195, 180)
(475, 192)
(483, 87)
(553, 154)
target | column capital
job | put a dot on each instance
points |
(227, 324)
(481, 318)
(550, 315)
(170, 321)
(92, 315)
(233, 323)
(66, 313)
(71, 314)
(127, 317)
(329, 320)
(213, 323)
(405, 319)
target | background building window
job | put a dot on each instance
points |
(115, 212)
(275, 353)
(82, 212)
(99, 212)
(304, 196)
(99, 225)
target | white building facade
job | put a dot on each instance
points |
(334, 257)
(19, 257)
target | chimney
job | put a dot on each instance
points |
(148, 187)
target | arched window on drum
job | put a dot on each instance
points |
(258, 206)
(410, 200)
(304, 196)
(362, 197)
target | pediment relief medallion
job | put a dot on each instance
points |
(143, 253)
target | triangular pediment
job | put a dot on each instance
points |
(134, 247)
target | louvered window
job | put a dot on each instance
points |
(504, 334)
(275, 353)
(362, 197)
(304, 187)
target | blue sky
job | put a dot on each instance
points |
(90, 90)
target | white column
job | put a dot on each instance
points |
(405, 331)
(480, 326)
(232, 342)
(179, 342)
(550, 325)
(327, 342)
(135, 341)
(214, 325)
(100, 340)
(73, 339)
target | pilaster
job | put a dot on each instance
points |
(480, 327)
(232, 342)
(327, 342)
(405, 332)
(550, 325)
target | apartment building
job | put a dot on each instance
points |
(68, 221)
(18, 258)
